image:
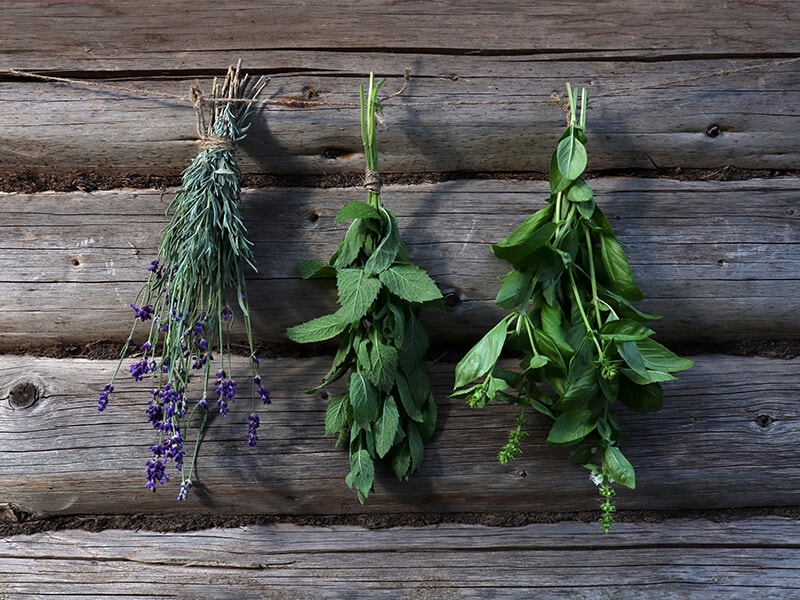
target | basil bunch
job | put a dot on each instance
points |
(387, 411)
(570, 295)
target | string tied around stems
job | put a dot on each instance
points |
(372, 181)
(207, 142)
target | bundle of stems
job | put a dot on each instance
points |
(200, 264)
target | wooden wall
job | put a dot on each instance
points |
(693, 125)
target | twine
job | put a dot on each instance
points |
(372, 181)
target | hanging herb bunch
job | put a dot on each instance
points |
(387, 411)
(185, 302)
(571, 318)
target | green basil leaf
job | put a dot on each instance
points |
(355, 209)
(517, 251)
(624, 330)
(618, 467)
(558, 182)
(514, 289)
(579, 191)
(571, 427)
(317, 330)
(618, 268)
(658, 358)
(357, 292)
(571, 156)
(482, 356)
(641, 398)
(410, 283)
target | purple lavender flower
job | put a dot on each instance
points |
(226, 390)
(140, 369)
(102, 399)
(184, 492)
(153, 268)
(156, 473)
(145, 313)
(147, 346)
(254, 358)
(227, 313)
(252, 426)
(266, 397)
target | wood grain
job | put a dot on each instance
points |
(459, 113)
(715, 259)
(678, 559)
(726, 438)
(151, 35)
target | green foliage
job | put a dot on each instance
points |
(387, 411)
(583, 348)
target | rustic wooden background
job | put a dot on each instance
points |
(693, 127)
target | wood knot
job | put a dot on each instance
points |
(23, 394)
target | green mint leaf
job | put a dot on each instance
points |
(363, 400)
(386, 427)
(410, 283)
(357, 292)
(351, 245)
(430, 414)
(317, 330)
(416, 445)
(355, 209)
(571, 427)
(314, 269)
(618, 467)
(624, 330)
(361, 475)
(571, 156)
(387, 250)
(336, 415)
(618, 268)
(407, 398)
(483, 356)
(401, 461)
(381, 365)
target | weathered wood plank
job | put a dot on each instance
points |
(459, 113)
(184, 35)
(727, 438)
(678, 559)
(716, 259)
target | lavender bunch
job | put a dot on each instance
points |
(200, 264)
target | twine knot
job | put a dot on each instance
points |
(372, 181)
(217, 143)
